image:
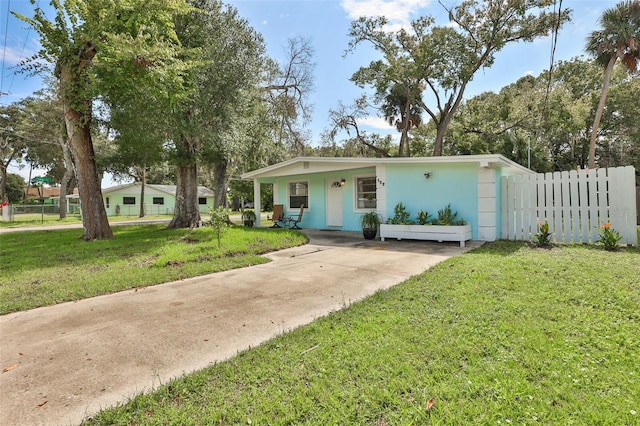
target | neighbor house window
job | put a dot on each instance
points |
(158, 201)
(107, 202)
(366, 192)
(202, 201)
(129, 200)
(298, 194)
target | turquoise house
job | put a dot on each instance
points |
(336, 191)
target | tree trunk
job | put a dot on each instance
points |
(25, 193)
(437, 149)
(66, 178)
(186, 214)
(4, 144)
(441, 130)
(144, 181)
(94, 215)
(3, 183)
(603, 99)
(405, 149)
(220, 182)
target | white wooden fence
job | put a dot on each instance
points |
(575, 203)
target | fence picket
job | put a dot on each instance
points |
(603, 200)
(584, 207)
(518, 208)
(565, 206)
(530, 218)
(574, 219)
(504, 208)
(592, 181)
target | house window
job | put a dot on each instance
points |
(158, 201)
(202, 201)
(129, 201)
(298, 194)
(366, 192)
(107, 202)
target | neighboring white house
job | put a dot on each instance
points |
(124, 200)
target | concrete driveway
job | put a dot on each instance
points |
(68, 361)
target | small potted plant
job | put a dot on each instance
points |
(249, 217)
(369, 222)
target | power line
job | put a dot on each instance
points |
(554, 44)
(4, 48)
(24, 45)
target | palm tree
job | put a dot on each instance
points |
(401, 109)
(619, 38)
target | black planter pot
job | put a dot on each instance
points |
(369, 234)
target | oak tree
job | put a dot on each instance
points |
(98, 47)
(434, 64)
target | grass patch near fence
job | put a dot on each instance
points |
(33, 220)
(505, 334)
(42, 268)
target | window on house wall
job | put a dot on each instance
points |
(298, 194)
(202, 201)
(131, 201)
(366, 192)
(107, 202)
(158, 201)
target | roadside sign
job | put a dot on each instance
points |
(40, 179)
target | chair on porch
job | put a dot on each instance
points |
(295, 218)
(278, 215)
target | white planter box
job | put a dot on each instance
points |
(438, 233)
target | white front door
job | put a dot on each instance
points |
(334, 202)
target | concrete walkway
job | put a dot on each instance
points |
(68, 361)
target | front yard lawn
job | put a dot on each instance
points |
(42, 268)
(505, 334)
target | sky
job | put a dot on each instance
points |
(326, 24)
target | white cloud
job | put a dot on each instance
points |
(375, 122)
(398, 12)
(14, 55)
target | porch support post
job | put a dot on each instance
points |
(487, 204)
(381, 191)
(256, 201)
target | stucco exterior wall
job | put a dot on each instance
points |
(449, 183)
(315, 215)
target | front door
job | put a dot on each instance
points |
(334, 202)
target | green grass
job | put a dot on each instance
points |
(36, 219)
(41, 268)
(32, 220)
(505, 334)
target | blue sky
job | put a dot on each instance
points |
(326, 23)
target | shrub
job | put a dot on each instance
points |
(543, 237)
(609, 237)
(423, 217)
(219, 221)
(448, 217)
(400, 216)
